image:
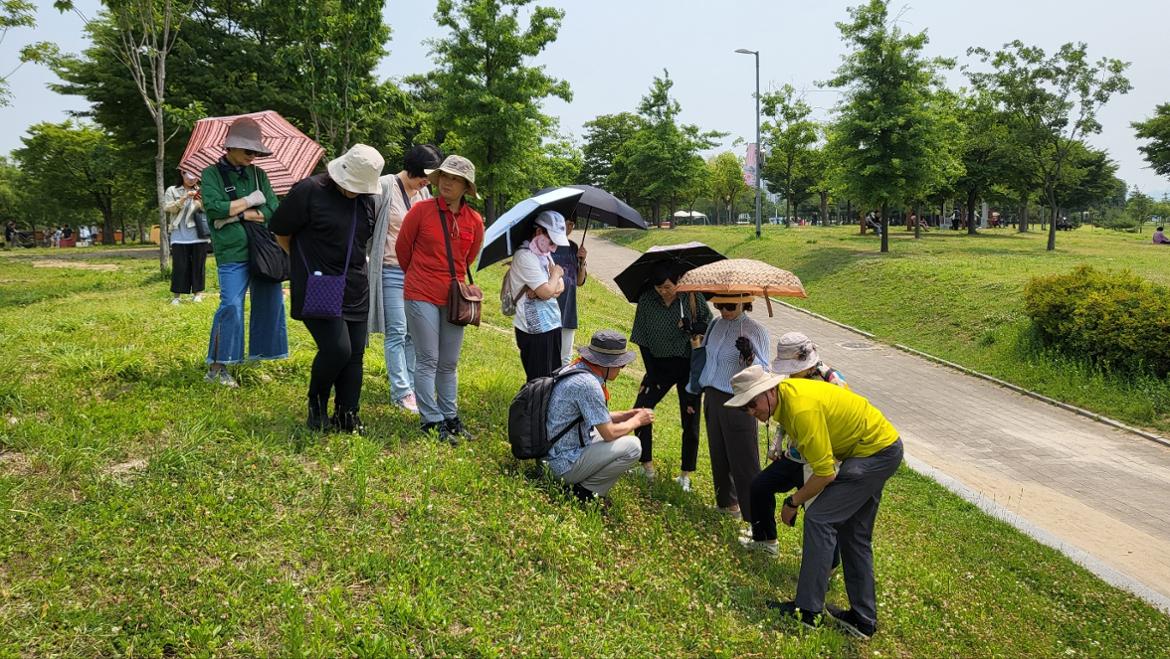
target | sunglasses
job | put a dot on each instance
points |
(727, 306)
(251, 153)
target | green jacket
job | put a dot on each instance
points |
(230, 244)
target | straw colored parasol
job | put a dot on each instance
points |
(744, 277)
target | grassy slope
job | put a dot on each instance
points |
(954, 296)
(143, 512)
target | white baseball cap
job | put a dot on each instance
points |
(554, 223)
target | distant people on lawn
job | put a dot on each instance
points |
(600, 448)
(796, 357)
(9, 234)
(422, 254)
(667, 324)
(538, 280)
(397, 194)
(235, 191)
(733, 341)
(188, 251)
(828, 425)
(324, 224)
(1160, 237)
(571, 258)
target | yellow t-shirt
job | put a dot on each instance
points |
(828, 423)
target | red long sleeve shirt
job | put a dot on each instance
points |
(422, 254)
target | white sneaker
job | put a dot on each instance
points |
(175, 301)
(649, 473)
(408, 402)
(684, 483)
(769, 547)
(730, 512)
(198, 297)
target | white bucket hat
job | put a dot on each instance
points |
(795, 352)
(749, 383)
(358, 169)
(554, 223)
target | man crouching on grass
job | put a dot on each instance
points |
(829, 424)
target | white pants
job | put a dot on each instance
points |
(567, 345)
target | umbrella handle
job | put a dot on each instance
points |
(588, 217)
(768, 301)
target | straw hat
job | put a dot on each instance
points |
(357, 170)
(456, 166)
(607, 348)
(749, 383)
(795, 352)
(244, 133)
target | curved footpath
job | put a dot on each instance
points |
(1096, 493)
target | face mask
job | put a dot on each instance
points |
(542, 245)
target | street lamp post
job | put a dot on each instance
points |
(759, 147)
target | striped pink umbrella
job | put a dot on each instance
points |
(294, 154)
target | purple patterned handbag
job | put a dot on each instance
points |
(324, 294)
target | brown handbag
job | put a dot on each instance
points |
(464, 301)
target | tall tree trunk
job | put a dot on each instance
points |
(917, 220)
(490, 209)
(1023, 228)
(824, 209)
(885, 227)
(1052, 225)
(122, 221)
(787, 211)
(972, 197)
(142, 234)
(164, 228)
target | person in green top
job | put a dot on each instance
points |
(666, 326)
(235, 191)
(829, 425)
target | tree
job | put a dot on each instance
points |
(78, 166)
(1156, 130)
(661, 160)
(489, 105)
(1052, 101)
(605, 137)
(891, 139)
(15, 14)
(1139, 206)
(725, 173)
(789, 136)
(982, 150)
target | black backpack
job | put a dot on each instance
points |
(527, 431)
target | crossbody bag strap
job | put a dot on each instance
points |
(402, 189)
(447, 240)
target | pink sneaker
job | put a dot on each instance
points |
(408, 402)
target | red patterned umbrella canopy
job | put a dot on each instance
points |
(294, 154)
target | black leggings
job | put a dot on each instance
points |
(662, 373)
(338, 364)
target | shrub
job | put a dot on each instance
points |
(1115, 319)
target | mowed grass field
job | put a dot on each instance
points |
(955, 296)
(144, 512)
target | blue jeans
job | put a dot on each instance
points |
(397, 346)
(268, 334)
(437, 344)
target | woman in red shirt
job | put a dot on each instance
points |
(422, 254)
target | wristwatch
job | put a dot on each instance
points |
(790, 503)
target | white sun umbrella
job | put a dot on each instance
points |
(512, 228)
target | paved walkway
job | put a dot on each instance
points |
(1099, 494)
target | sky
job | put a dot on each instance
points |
(610, 51)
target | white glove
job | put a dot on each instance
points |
(255, 198)
(776, 447)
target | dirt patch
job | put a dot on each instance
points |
(124, 472)
(74, 265)
(15, 463)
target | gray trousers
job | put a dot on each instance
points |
(734, 445)
(843, 516)
(603, 463)
(437, 344)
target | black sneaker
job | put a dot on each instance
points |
(447, 434)
(851, 623)
(430, 428)
(456, 427)
(318, 420)
(810, 619)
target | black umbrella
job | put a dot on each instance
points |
(512, 228)
(687, 256)
(597, 204)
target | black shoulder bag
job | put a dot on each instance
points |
(266, 259)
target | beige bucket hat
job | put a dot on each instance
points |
(749, 383)
(795, 352)
(358, 169)
(456, 166)
(244, 133)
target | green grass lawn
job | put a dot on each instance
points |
(955, 296)
(146, 513)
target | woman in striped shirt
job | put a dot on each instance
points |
(733, 343)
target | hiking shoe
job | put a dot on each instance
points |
(809, 619)
(318, 421)
(769, 547)
(456, 428)
(408, 403)
(851, 622)
(446, 434)
(430, 428)
(349, 422)
(684, 483)
(221, 376)
(733, 513)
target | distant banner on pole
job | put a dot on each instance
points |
(751, 164)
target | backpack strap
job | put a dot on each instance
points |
(561, 374)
